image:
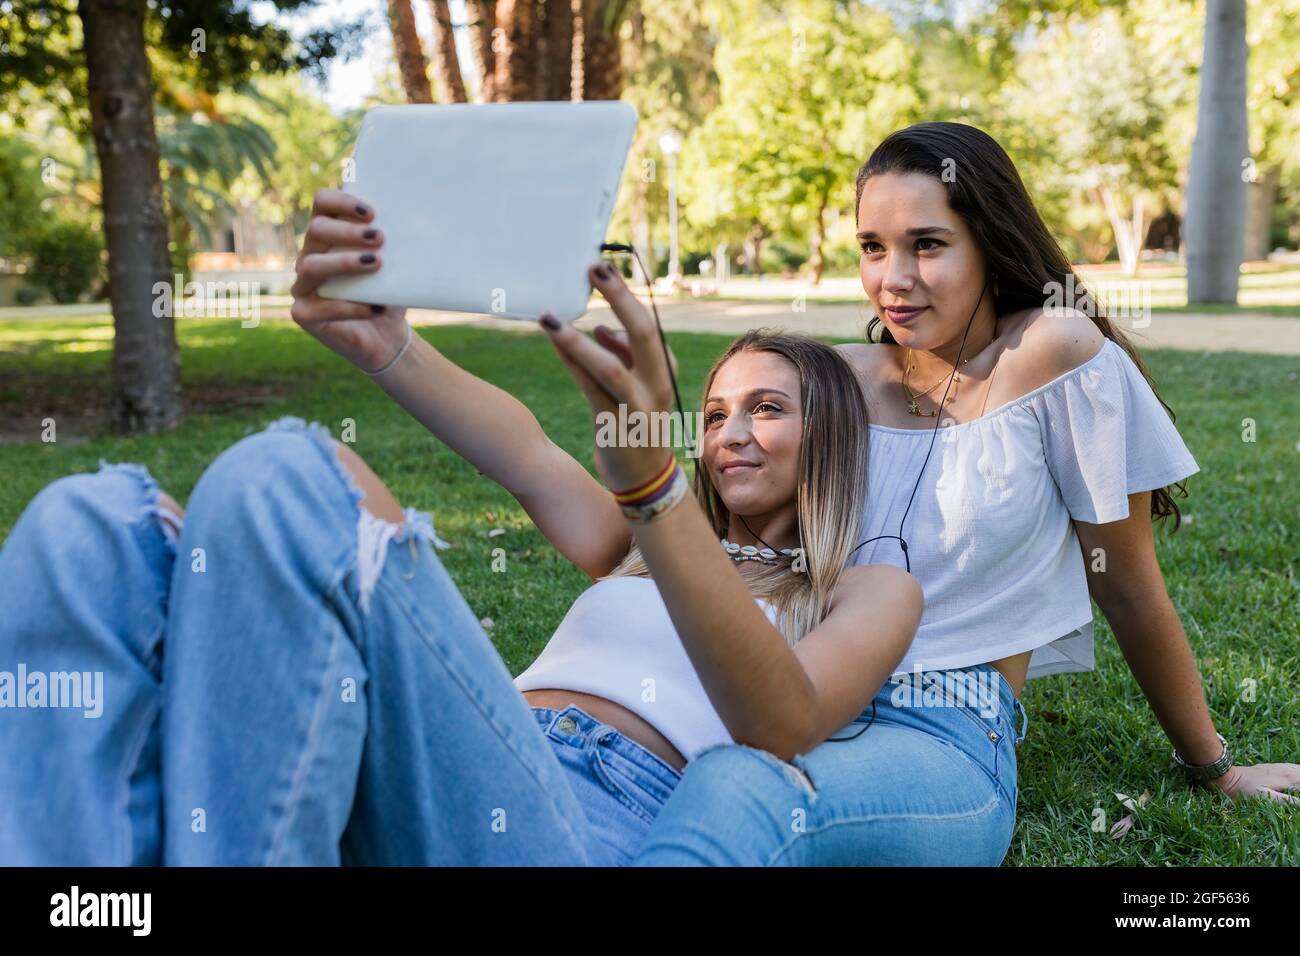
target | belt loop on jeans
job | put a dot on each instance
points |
(599, 733)
(1024, 721)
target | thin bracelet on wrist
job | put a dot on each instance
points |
(410, 335)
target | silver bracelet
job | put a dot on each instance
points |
(1207, 771)
(410, 333)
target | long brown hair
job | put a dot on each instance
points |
(831, 483)
(1024, 259)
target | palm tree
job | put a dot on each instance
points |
(555, 81)
(516, 51)
(445, 56)
(409, 52)
(544, 49)
(202, 155)
(602, 51)
(482, 21)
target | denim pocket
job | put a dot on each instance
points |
(938, 705)
(1000, 729)
(984, 745)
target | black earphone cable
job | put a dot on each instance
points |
(934, 433)
(902, 542)
(649, 285)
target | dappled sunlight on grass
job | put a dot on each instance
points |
(82, 346)
(50, 332)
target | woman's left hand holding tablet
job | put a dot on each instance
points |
(343, 240)
(616, 368)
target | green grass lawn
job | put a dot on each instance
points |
(1231, 572)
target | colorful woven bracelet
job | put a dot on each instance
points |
(647, 488)
(649, 508)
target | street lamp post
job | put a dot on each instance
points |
(671, 144)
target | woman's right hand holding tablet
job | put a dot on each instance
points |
(342, 240)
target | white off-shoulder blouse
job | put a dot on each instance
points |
(989, 532)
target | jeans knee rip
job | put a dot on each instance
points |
(374, 534)
(795, 771)
(168, 520)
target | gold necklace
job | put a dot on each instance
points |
(912, 407)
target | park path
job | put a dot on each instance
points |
(1236, 332)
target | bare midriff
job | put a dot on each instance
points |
(1014, 669)
(617, 716)
(636, 728)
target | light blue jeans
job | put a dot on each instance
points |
(918, 779)
(293, 681)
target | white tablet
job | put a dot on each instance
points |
(495, 208)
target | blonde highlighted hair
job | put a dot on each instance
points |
(831, 484)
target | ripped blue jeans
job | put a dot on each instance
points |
(926, 776)
(286, 679)
(289, 680)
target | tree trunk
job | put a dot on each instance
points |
(409, 53)
(450, 83)
(146, 365)
(516, 50)
(557, 46)
(754, 249)
(721, 264)
(1216, 198)
(1261, 196)
(602, 53)
(579, 44)
(1130, 232)
(816, 261)
(482, 21)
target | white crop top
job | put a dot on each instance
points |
(989, 533)
(618, 642)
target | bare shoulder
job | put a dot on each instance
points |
(869, 361)
(1051, 343)
(862, 356)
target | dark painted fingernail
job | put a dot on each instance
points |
(368, 258)
(370, 233)
(604, 271)
(377, 309)
(550, 322)
(363, 210)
